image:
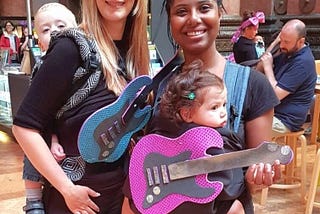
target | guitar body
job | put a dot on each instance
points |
(104, 136)
(150, 185)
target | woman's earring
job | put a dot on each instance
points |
(176, 46)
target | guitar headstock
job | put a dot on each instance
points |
(283, 153)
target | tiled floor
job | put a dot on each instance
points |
(12, 190)
(12, 193)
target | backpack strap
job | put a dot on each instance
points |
(236, 79)
(170, 67)
(87, 76)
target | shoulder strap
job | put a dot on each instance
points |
(253, 62)
(87, 76)
(236, 79)
(169, 68)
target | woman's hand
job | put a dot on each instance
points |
(24, 45)
(78, 199)
(261, 175)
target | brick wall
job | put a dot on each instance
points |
(16, 9)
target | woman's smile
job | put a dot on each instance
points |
(115, 3)
(195, 33)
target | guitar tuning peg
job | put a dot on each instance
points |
(285, 150)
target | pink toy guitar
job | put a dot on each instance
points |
(166, 172)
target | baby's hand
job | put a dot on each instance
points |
(57, 151)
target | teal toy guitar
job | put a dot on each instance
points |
(166, 172)
(105, 135)
(101, 134)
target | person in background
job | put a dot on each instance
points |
(117, 32)
(292, 75)
(260, 46)
(10, 40)
(194, 26)
(23, 41)
(49, 17)
(244, 43)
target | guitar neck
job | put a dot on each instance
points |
(265, 153)
(140, 100)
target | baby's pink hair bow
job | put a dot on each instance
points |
(255, 20)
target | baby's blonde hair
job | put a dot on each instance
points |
(55, 5)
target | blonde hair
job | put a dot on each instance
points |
(137, 59)
(54, 5)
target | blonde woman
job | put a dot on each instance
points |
(117, 31)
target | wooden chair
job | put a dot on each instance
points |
(317, 62)
(290, 178)
(315, 120)
(316, 111)
(314, 185)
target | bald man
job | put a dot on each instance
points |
(293, 77)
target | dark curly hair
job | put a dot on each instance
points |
(191, 81)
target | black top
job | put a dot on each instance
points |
(48, 93)
(260, 98)
(244, 50)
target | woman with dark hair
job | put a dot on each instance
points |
(194, 26)
(244, 39)
(9, 40)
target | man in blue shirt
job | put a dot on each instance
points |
(293, 77)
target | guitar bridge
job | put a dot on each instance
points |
(107, 140)
(155, 176)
